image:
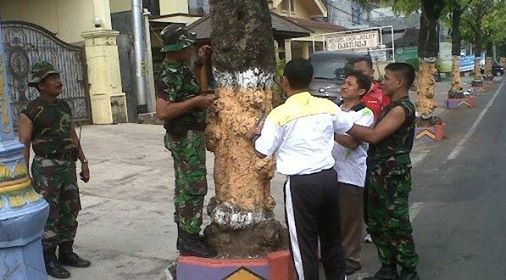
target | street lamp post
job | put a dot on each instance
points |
(23, 212)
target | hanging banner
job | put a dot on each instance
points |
(445, 57)
(466, 63)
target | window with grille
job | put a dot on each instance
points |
(287, 5)
(198, 7)
(356, 14)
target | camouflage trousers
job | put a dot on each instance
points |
(56, 181)
(189, 154)
(388, 216)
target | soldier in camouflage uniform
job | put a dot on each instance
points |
(389, 177)
(183, 108)
(46, 125)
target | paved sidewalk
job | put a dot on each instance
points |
(126, 227)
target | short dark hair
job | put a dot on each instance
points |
(299, 73)
(365, 58)
(363, 81)
(405, 70)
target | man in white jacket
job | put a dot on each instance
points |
(350, 156)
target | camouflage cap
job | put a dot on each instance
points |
(176, 38)
(41, 70)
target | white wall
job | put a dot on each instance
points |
(66, 18)
(120, 5)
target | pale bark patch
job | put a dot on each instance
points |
(426, 88)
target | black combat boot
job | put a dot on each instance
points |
(409, 273)
(192, 245)
(68, 257)
(386, 272)
(202, 238)
(53, 267)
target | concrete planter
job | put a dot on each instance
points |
(430, 134)
(276, 265)
(21, 230)
(461, 103)
(477, 83)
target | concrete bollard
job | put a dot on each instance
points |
(21, 230)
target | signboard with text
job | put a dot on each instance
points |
(363, 40)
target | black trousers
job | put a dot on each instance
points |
(312, 212)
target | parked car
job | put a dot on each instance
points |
(497, 70)
(330, 68)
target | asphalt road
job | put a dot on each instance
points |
(460, 230)
(458, 199)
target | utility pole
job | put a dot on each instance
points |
(139, 49)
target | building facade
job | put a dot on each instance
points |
(73, 35)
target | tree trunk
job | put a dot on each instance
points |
(244, 63)
(425, 88)
(477, 69)
(502, 61)
(456, 89)
(489, 62)
(428, 47)
(477, 49)
(488, 68)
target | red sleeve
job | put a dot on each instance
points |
(373, 104)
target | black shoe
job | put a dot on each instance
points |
(409, 274)
(68, 257)
(350, 270)
(72, 259)
(202, 238)
(192, 245)
(53, 267)
(385, 273)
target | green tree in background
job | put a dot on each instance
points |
(483, 24)
(428, 47)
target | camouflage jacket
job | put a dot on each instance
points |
(393, 151)
(175, 82)
(52, 123)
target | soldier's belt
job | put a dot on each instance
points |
(178, 127)
(391, 162)
(197, 126)
(68, 156)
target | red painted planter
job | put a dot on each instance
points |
(430, 134)
(461, 103)
(276, 265)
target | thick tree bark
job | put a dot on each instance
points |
(489, 62)
(456, 89)
(426, 88)
(477, 70)
(244, 63)
(428, 47)
(488, 68)
(478, 47)
(428, 39)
